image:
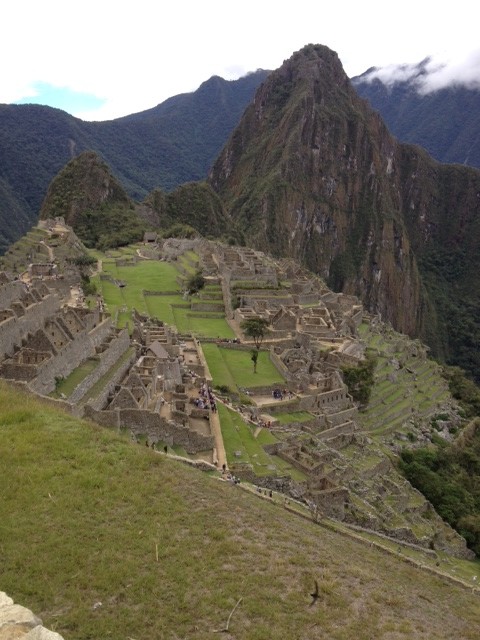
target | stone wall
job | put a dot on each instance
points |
(66, 360)
(108, 358)
(13, 330)
(101, 400)
(72, 354)
(11, 292)
(282, 484)
(279, 364)
(340, 417)
(306, 298)
(337, 398)
(207, 306)
(332, 502)
(101, 331)
(342, 429)
(150, 424)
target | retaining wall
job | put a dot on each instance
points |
(152, 425)
(108, 358)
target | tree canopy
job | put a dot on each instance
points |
(255, 328)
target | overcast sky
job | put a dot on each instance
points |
(102, 59)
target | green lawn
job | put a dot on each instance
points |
(235, 369)
(161, 307)
(87, 517)
(152, 275)
(124, 319)
(294, 416)
(238, 438)
(201, 325)
(111, 293)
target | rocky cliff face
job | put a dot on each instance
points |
(312, 172)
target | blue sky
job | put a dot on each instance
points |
(62, 98)
(100, 60)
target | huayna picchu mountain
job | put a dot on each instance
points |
(312, 172)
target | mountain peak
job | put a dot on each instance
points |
(312, 63)
(84, 183)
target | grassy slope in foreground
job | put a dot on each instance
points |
(84, 513)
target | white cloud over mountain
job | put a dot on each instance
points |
(432, 74)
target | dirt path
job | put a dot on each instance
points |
(49, 249)
(217, 434)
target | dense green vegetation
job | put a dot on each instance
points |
(449, 476)
(449, 274)
(430, 120)
(109, 226)
(190, 209)
(463, 390)
(256, 329)
(360, 379)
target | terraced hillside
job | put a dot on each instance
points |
(409, 396)
(156, 288)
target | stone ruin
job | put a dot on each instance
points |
(43, 341)
(150, 384)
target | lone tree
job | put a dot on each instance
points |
(255, 328)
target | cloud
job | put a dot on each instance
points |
(464, 72)
(141, 53)
(432, 74)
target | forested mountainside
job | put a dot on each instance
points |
(168, 145)
(312, 172)
(446, 122)
(89, 198)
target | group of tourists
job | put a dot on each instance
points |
(279, 394)
(206, 398)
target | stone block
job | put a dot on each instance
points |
(40, 633)
(14, 614)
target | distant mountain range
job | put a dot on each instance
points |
(178, 140)
(173, 143)
(445, 121)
